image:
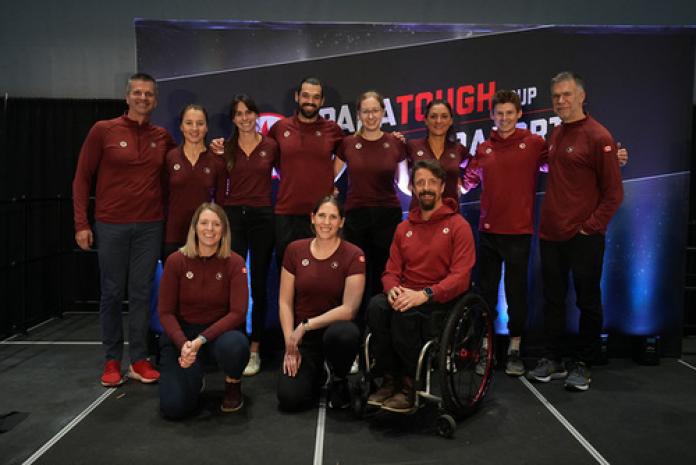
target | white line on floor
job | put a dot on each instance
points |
(30, 329)
(571, 429)
(319, 441)
(36, 455)
(686, 364)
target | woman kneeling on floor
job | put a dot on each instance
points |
(321, 285)
(203, 300)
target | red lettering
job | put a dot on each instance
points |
(422, 97)
(403, 101)
(465, 105)
(485, 96)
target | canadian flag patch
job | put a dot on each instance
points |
(607, 148)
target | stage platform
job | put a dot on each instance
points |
(631, 415)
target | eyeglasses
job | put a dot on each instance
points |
(371, 112)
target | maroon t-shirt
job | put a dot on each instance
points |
(202, 291)
(371, 167)
(507, 170)
(126, 158)
(305, 162)
(250, 178)
(186, 187)
(584, 187)
(452, 159)
(319, 284)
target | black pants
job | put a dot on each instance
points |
(582, 256)
(372, 229)
(252, 230)
(513, 250)
(179, 388)
(169, 248)
(338, 343)
(397, 337)
(289, 228)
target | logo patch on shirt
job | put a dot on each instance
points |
(489, 150)
(123, 144)
(409, 233)
(550, 147)
(361, 259)
(386, 145)
(176, 167)
(445, 231)
(523, 145)
(189, 275)
(419, 153)
(452, 156)
(305, 262)
(607, 148)
(206, 170)
(218, 276)
(318, 133)
(153, 144)
(244, 270)
(358, 146)
(286, 134)
(569, 149)
(486, 226)
(334, 265)
(262, 153)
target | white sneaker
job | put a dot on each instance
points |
(355, 367)
(254, 365)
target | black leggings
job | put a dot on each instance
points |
(339, 344)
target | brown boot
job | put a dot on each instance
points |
(233, 400)
(386, 390)
(402, 401)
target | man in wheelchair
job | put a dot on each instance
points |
(429, 267)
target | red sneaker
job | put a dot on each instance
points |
(111, 377)
(143, 371)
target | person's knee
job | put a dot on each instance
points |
(293, 398)
(232, 345)
(176, 406)
(378, 313)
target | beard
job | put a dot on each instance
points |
(309, 111)
(429, 203)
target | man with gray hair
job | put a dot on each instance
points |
(583, 192)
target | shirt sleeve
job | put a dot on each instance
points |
(238, 300)
(168, 303)
(463, 258)
(87, 166)
(609, 184)
(472, 171)
(357, 262)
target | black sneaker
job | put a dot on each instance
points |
(579, 377)
(514, 365)
(339, 394)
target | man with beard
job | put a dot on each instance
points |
(429, 268)
(307, 165)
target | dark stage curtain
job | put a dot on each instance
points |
(41, 273)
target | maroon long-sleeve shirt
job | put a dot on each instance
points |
(507, 170)
(126, 158)
(371, 169)
(202, 291)
(438, 253)
(584, 187)
(187, 186)
(305, 162)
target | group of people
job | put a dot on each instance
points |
(207, 208)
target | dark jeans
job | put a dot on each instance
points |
(513, 250)
(338, 343)
(167, 249)
(372, 229)
(289, 228)
(179, 388)
(252, 232)
(397, 337)
(126, 251)
(582, 256)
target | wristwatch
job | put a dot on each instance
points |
(428, 293)
(305, 324)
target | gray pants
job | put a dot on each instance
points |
(126, 251)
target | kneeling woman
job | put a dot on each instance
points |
(203, 300)
(321, 286)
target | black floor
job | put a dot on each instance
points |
(631, 415)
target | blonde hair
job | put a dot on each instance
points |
(190, 249)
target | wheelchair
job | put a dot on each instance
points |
(454, 370)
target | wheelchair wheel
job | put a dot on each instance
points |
(446, 425)
(466, 363)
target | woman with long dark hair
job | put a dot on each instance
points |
(250, 157)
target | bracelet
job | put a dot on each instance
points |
(202, 338)
(305, 324)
